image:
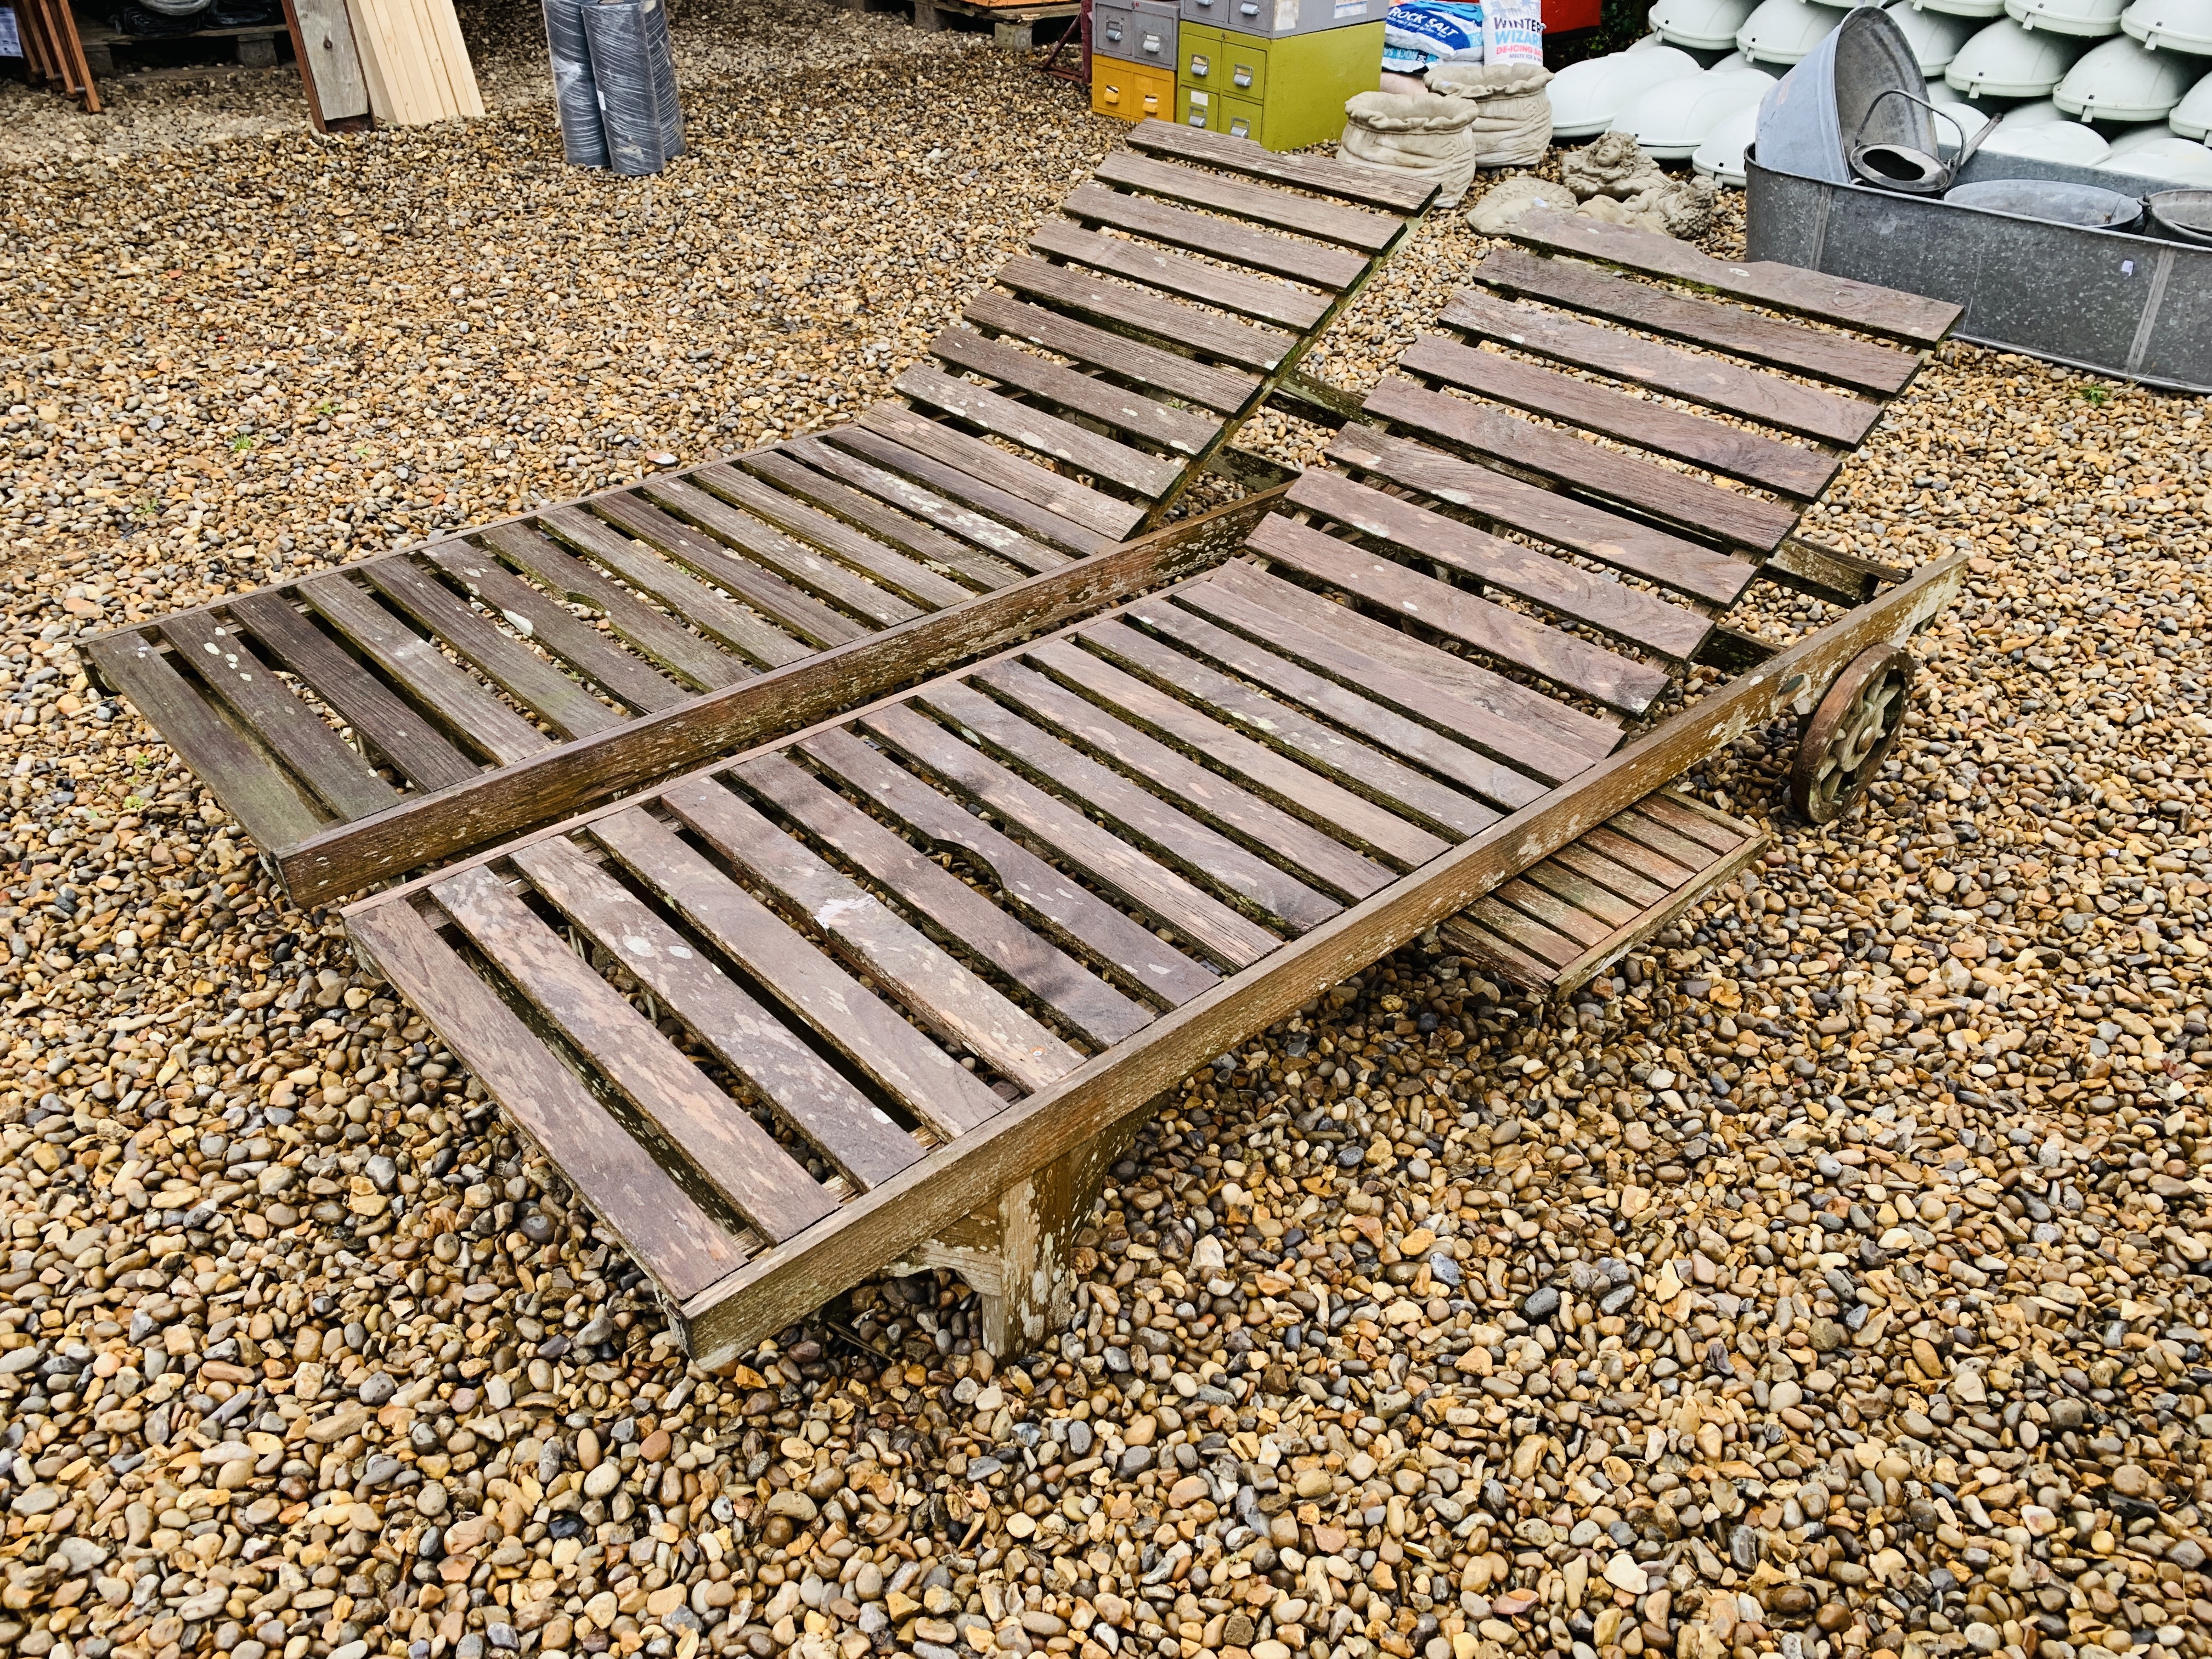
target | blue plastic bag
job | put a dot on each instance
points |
(1448, 31)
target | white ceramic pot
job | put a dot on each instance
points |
(1935, 36)
(1784, 30)
(1671, 120)
(2192, 117)
(2172, 161)
(1700, 25)
(1586, 96)
(2007, 61)
(2124, 80)
(2170, 25)
(1720, 158)
(2071, 142)
(2093, 20)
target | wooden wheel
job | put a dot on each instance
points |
(1850, 733)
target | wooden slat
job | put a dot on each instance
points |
(1834, 358)
(1322, 861)
(1138, 880)
(1718, 835)
(1261, 298)
(1696, 377)
(1727, 515)
(1330, 268)
(295, 734)
(1668, 844)
(1571, 887)
(1317, 174)
(799, 557)
(1077, 994)
(1601, 674)
(546, 619)
(1065, 908)
(1463, 934)
(1748, 457)
(801, 502)
(1007, 474)
(1815, 294)
(809, 1095)
(749, 634)
(1614, 877)
(434, 683)
(1328, 222)
(662, 1225)
(1136, 815)
(922, 1077)
(1119, 306)
(989, 537)
(1033, 428)
(664, 640)
(1206, 384)
(1555, 912)
(269, 807)
(1642, 549)
(1629, 613)
(1368, 769)
(1296, 789)
(382, 719)
(1548, 945)
(513, 666)
(1467, 700)
(926, 978)
(1634, 855)
(774, 592)
(1091, 395)
(736, 1157)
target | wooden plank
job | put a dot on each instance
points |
(435, 684)
(947, 518)
(1077, 995)
(1490, 951)
(932, 983)
(1695, 377)
(1570, 886)
(799, 557)
(791, 505)
(1731, 516)
(1731, 451)
(1524, 932)
(378, 715)
(1835, 358)
(738, 1158)
(1294, 788)
(809, 1095)
(1638, 826)
(1001, 506)
(1206, 384)
(1544, 737)
(1136, 815)
(922, 1077)
(1091, 395)
(1261, 298)
(1586, 861)
(1642, 549)
(773, 590)
(661, 1224)
(1082, 450)
(1714, 831)
(1063, 497)
(265, 805)
(1602, 955)
(1558, 915)
(1603, 676)
(1605, 839)
(1115, 1088)
(1331, 268)
(1259, 202)
(752, 635)
(660, 637)
(1863, 306)
(1322, 861)
(1629, 613)
(1064, 908)
(543, 617)
(1368, 770)
(524, 675)
(1379, 189)
(1137, 879)
(1123, 309)
(293, 732)
(323, 44)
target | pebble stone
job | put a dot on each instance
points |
(1828, 1280)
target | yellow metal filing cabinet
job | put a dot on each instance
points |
(1135, 92)
(1285, 92)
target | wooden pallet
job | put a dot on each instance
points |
(1568, 917)
(369, 721)
(255, 45)
(892, 990)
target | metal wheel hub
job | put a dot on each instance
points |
(1850, 734)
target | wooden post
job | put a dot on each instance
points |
(926, 17)
(329, 65)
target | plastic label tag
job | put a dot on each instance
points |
(1350, 8)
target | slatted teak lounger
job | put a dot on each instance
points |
(891, 990)
(369, 721)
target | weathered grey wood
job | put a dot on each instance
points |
(1220, 239)
(1261, 298)
(825, 511)
(1324, 177)
(1082, 450)
(1349, 226)
(1120, 307)
(1206, 384)
(980, 462)
(323, 42)
(1091, 395)
(990, 537)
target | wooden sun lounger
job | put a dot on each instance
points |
(373, 719)
(894, 990)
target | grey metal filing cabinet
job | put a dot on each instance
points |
(1274, 19)
(1138, 31)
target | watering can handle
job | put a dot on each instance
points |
(1967, 146)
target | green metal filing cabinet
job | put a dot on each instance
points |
(1285, 92)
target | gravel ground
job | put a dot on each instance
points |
(1829, 1283)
